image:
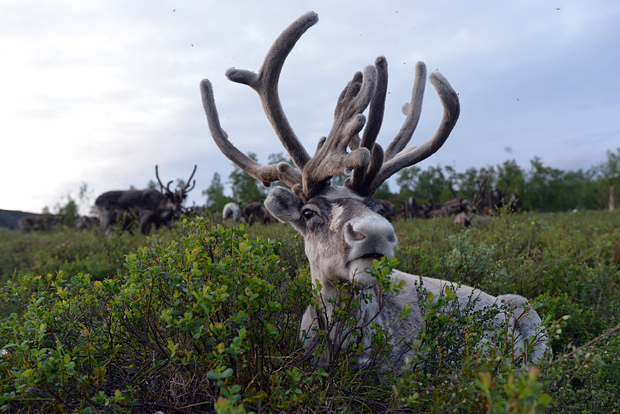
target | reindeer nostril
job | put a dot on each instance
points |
(391, 238)
(354, 235)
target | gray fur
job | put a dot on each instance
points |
(149, 207)
(342, 237)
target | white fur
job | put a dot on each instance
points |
(231, 211)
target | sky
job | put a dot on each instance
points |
(98, 92)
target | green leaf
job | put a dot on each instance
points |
(220, 375)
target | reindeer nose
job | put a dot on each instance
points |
(352, 235)
(370, 235)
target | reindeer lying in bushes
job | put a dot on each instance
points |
(343, 233)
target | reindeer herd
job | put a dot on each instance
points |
(152, 208)
(345, 230)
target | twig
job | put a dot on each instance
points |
(589, 344)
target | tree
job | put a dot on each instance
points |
(407, 180)
(85, 195)
(537, 195)
(245, 188)
(432, 186)
(216, 200)
(609, 178)
(68, 211)
(383, 192)
(510, 172)
(150, 185)
(548, 189)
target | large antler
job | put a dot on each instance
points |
(479, 196)
(366, 159)
(265, 83)
(331, 157)
(161, 185)
(184, 189)
(397, 154)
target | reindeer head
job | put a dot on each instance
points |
(175, 198)
(341, 225)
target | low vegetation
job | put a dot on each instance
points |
(204, 318)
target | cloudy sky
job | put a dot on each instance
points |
(100, 91)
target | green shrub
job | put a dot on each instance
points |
(183, 324)
(205, 318)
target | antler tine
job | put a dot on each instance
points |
(331, 156)
(361, 177)
(185, 190)
(412, 110)
(265, 83)
(413, 155)
(479, 196)
(267, 174)
(161, 185)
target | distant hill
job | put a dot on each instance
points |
(10, 218)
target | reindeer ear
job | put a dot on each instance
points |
(284, 205)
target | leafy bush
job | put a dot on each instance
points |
(205, 318)
(171, 329)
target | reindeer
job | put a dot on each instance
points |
(85, 223)
(342, 230)
(45, 222)
(150, 207)
(470, 211)
(231, 211)
(497, 199)
(255, 211)
(460, 207)
(411, 207)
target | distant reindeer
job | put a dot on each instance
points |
(458, 205)
(85, 223)
(149, 207)
(497, 200)
(343, 233)
(45, 222)
(255, 211)
(471, 210)
(231, 211)
(411, 207)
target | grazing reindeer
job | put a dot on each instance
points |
(231, 211)
(150, 207)
(343, 233)
(256, 212)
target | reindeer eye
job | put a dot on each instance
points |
(376, 207)
(307, 213)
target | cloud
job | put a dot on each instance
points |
(100, 92)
